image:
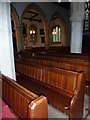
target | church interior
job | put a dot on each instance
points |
(45, 60)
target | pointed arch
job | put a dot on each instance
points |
(60, 23)
(37, 8)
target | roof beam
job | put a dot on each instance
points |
(32, 19)
(34, 16)
(54, 18)
(32, 12)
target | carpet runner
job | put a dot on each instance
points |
(6, 112)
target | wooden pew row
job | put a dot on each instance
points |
(23, 102)
(53, 50)
(64, 56)
(70, 57)
(75, 64)
(65, 49)
(63, 88)
(68, 64)
(56, 51)
(54, 54)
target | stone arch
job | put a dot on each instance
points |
(62, 24)
(43, 17)
(15, 18)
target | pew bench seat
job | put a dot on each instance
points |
(54, 95)
(64, 89)
(23, 102)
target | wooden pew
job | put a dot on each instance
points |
(52, 52)
(63, 88)
(63, 63)
(23, 102)
(56, 51)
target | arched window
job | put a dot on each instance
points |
(87, 16)
(56, 34)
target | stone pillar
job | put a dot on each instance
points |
(77, 18)
(7, 66)
(19, 37)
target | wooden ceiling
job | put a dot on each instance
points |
(32, 15)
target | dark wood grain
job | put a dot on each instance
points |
(58, 85)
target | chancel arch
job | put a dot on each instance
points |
(57, 30)
(34, 27)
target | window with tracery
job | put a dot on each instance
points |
(56, 34)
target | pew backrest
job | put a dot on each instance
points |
(20, 99)
(73, 64)
(64, 80)
(67, 83)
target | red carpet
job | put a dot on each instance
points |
(6, 113)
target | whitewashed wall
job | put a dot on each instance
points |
(6, 47)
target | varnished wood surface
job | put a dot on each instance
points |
(68, 63)
(54, 82)
(18, 98)
(58, 78)
(75, 62)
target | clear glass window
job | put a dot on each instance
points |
(56, 34)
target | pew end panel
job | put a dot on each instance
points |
(77, 101)
(19, 99)
(59, 85)
(38, 108)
